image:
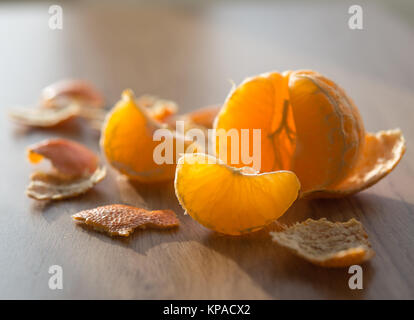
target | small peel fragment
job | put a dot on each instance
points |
(76, 171)
(73, 89)
(68, 157)
(44, 117)
(382, 152)
(121, 220)
(203, 117)
(326, 243)
(158, 109)
(52, 186)
(62, 101)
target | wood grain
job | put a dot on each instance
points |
(188, 53)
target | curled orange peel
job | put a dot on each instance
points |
(121, 220)
(129, 145)
(311, 127)
(325, 243)
(77, 170)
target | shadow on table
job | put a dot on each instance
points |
(271, 266)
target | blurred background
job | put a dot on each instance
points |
(188, 51)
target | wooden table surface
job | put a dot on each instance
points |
(188, 53)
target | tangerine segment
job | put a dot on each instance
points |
(121, 220)
(382, 152)
(330, 132)
(262, 103)
(325, 243)
(231, 200)
(127, 142)
(68, 157)
(50, 186)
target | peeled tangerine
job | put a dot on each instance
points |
(311, 127)
(231, 200)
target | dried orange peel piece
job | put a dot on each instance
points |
(158, 109)
(52, 186)
(381, 154)
(204, 116)
(230, 200)
(81, 91)
(128, 142)
(61, 101)
(68, 157)
(325, 243)
(44, 117)
(311, 127)
(76, 170)
(201, 118)
(121, 220)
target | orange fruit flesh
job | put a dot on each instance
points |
(308, 125)
(258, 103)
(230, 200)
(128, 144)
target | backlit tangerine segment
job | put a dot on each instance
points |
(231, 200)
(308, 124)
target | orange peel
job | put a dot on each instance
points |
(203, 117)
(158, 109)
(61, 101)
(68, 157)
(231, 200)
(52, 186)
(311, 127)
(327, 244)
(382, 152)
(121, 220)
(81, 91)
(128, 144)
(76, 170)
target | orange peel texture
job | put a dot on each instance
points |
(121, 220)
(327, 244)
(52, 186)
(230, 200)
(311, 127)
